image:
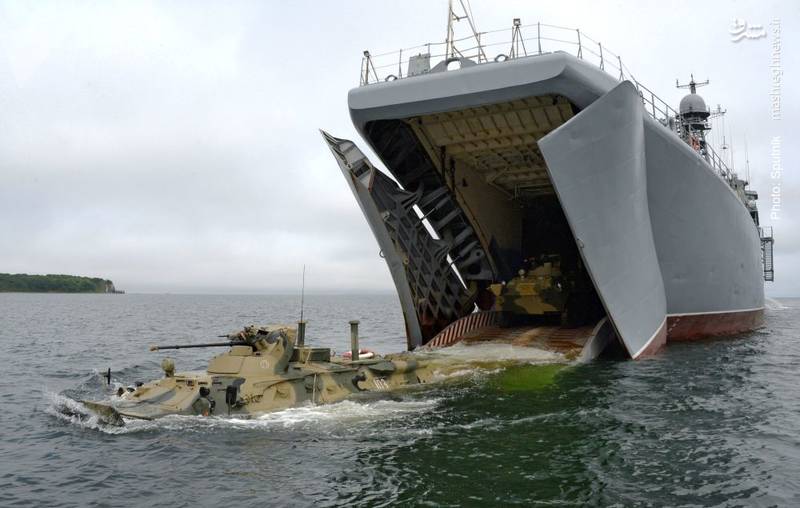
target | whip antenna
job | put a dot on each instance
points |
(301, 325)
(746, 160)
(303, 293)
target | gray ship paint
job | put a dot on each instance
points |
(596, 162)
(708, 246)
(695, 249)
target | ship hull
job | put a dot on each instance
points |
(688, 327)
(672, 251)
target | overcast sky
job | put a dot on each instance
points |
(173, 146)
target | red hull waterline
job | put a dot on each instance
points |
(685, 327)
(655, 344)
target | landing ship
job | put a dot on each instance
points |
(505, 152)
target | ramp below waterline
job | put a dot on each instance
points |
(583, 342)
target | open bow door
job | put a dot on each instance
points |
(596, 162)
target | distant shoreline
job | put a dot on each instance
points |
(55, 283)
(12, 292)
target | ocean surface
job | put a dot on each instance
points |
(711, 423)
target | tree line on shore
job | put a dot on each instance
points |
(53, 283)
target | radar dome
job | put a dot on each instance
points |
(693, 104)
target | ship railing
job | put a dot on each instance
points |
(494, 45)
(522, 41)
(719, 165)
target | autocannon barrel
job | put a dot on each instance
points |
(209, 344)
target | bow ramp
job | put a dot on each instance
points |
(431, 293)
(596, 162)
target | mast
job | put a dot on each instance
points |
(694, 117)
(720, 113)
(451, 51)
(448, 51)
(746, 160)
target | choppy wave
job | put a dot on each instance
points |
(72, 412)
(347, 414)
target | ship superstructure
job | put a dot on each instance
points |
(534, 187)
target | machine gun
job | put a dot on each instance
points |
(250, 336)
(230, 343)
(208, 344)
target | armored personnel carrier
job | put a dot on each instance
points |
(265, 369)
(543, 293)
(269, 368)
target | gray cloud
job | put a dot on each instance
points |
(173, 146)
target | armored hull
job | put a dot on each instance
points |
(496, 163)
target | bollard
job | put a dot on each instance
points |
(301, 333)
(354, 340)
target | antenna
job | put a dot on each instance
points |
(725, 145)
(303, 293)
(301, 325)
(746, 160)
(720, 113)
(692, 85)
